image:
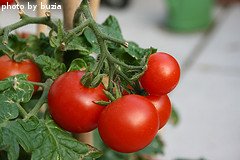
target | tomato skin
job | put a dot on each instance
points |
(128, 124)
(163, 106)
(162, 74)
(71, 104)
(9, 68)
(4, 2)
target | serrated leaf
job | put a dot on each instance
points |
(44, 139)
(4, 85)
(38, 45)
(77, 64)
(50, 66)
(78, 44)
(135, 51)
(8, 109)
(54, 42)
(112, 28)
(91, 38)
(17, 88)
(57, 144)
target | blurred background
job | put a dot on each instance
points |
(204, 36)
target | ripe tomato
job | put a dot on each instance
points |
(163, 106)
(162, 74)
(4, 2)
(72, 105)
(128, 124)
(9, 68)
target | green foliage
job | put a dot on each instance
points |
(174, 118)
(51, 68)
(43, 139)
(40, 137)
(156, 147)
(16, 89)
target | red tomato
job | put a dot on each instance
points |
(72, 105)
(162, 74)
(9, 68)
(4, 2)
(128, 124)
(163, 106)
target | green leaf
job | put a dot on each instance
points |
(156, 147)
(14, 42)
(57, 144)
(77, 64)
(17, 88)
(79, 44)
(8, 109)
(174, 118)
(92, 40)
(38, 45)
(43, 139)
(54, 42)
(50, 66)
(112, 28)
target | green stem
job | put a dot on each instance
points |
(118, 41)
(25, 21)
(22, 111)
(111, 75)
(126, 79)
(42, 99)
(19, 57)
(77, 29)
(37, 84)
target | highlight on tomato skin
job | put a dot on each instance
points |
(72, 106)
(162, 74)
(128, 124)
(9, 67)
(163, 106)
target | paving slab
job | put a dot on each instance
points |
(207, 99)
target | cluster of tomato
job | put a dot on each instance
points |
(127, 124)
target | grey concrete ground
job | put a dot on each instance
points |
(208, 93)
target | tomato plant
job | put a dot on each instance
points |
(9, 67)
(163, 106)
(162, 74)
(72, 105)
(72, 97)
(128, 124)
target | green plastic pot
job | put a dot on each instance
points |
(189, 15)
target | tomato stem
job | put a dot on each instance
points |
(25, 20)
(22, 111)
(42, 100)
